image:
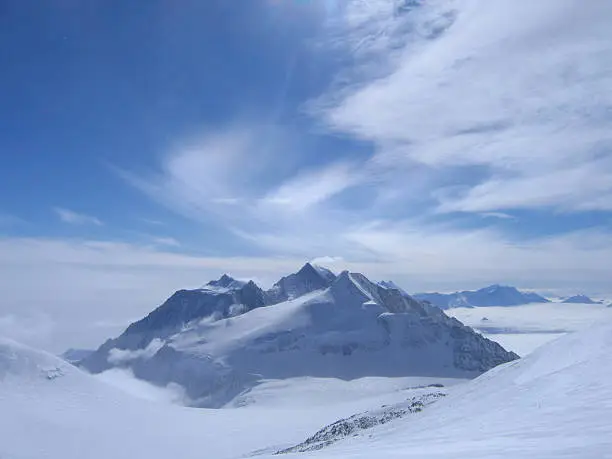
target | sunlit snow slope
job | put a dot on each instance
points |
(554, 403)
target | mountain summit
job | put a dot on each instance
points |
(219, 341)
(493, 295)
(226, 282)
(308, 279)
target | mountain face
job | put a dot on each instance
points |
(306, 280)
(582, 299)
(219, 341)
(219, 299)
(494, 295)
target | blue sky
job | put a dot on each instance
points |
(148, 146)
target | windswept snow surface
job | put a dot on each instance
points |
(523, 329)
(555, 403)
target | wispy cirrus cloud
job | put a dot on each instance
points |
(472, 107)
(215, 171)
(308, 189)
(76, 218)
(518, 91)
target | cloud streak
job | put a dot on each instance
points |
(74, 218)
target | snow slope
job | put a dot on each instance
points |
(523, 329)
(557, 402)
(352, 329)
(52, 410)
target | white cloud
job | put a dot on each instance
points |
(522, 91)
(211, 175)
(166, 241)
(586, 187)
(75, 218)
(311, 188)
(122, 356)
(326, 260)
(500, 215)
(439, 258)
(249, 180)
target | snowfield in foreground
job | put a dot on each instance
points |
(556, 402)
(50, 409)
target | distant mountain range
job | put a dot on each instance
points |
(220, 340)
(494, 295)
(582, 299)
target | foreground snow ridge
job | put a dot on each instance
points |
(556, 402)
(220, 341)
(356, 424)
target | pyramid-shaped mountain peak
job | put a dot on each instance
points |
(308, 279)
(226, 281)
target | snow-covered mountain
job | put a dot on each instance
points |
(494, 295)
(218, 341)
(581, 299)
